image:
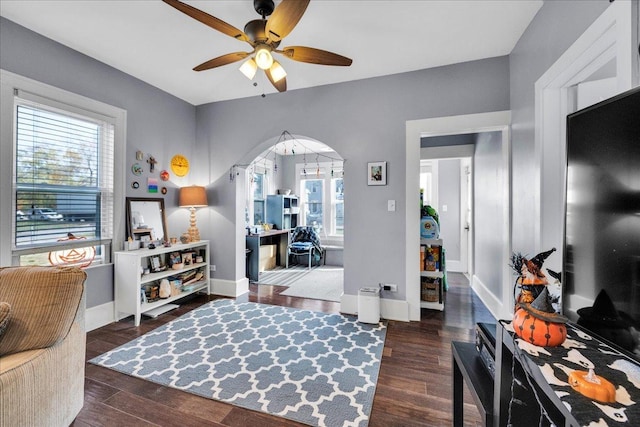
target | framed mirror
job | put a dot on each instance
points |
(145, 217)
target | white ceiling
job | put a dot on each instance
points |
(158, 44)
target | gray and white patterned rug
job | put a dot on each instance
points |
(315, 368)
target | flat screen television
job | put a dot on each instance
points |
(601, 262)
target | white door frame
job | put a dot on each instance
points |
(466, 206)
(499, 305)
(614, 35)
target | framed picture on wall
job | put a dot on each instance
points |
(377, 173)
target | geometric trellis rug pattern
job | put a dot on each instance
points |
(315, 368)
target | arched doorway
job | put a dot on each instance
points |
(295, 181)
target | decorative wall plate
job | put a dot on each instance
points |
(180, 165)
(164, 175)
(136, 169)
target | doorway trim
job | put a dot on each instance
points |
(471, 123)
(613, 35)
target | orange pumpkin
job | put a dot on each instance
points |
(543, 333)
(592, 386)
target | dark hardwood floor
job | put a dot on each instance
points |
(414, 386)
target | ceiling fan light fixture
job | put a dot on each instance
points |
(264, 60)
(249, 68)
(277, 72)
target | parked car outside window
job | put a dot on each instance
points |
(45, 214)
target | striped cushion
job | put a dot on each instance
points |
(5, 311)
(44, 301)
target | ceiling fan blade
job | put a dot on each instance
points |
(222, 60)
(211, 21)
(315, 56)
(281, 84)
(284, 18)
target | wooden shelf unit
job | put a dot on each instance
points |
(129, 279)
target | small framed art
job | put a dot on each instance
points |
(175, 258)
(377, 173)
(188, 258)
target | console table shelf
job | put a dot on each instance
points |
(565, 406)
(468, 365)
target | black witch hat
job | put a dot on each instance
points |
(602, 313)
(539, 259)
(542, 309)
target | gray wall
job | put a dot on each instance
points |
(157, 123)
(449, 195)
(556, 26)
(488, 221)
(362, 121)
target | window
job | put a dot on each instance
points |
(429, 182)
(313, 202)
(337, 205)
(259, 186)
(62, 175)
(322, 198)
(259, 196)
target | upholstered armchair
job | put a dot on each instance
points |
(42, 345)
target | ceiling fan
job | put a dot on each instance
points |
(264, 35)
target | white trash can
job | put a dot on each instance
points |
(369, 305)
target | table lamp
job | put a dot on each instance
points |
(193, 197)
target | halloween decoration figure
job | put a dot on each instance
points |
(592, 386)
(80, 257)
(531, 280)
(538, 323)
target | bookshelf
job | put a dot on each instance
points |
(431, 272)
(130, 280)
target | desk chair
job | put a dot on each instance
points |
(304, 241)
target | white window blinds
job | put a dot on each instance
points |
(63, 176)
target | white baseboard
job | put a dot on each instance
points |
(99, 316)
(230, 288)
(390, 309)
(495, 306)
(394, 309)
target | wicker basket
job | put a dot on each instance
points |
(429, 289)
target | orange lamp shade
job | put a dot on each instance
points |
(193, 196)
